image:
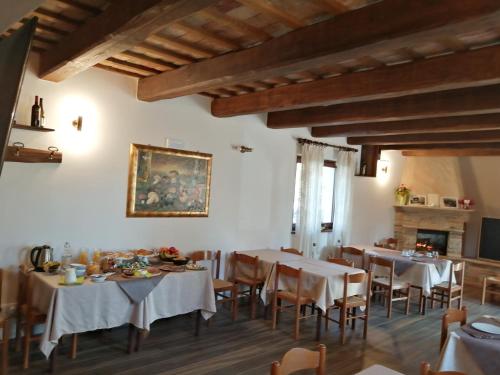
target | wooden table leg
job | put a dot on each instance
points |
(198, 323)
(74, 346)
(53, 357)
(131, 334)
(138, 339)
(318, 324)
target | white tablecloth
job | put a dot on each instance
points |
(378, 370)
(424, 275)
(321, 280)
(92, 306)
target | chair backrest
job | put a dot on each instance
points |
(248, 260)
(23, 290)
(291, 250)
(289, 272)
(382, 262)
(201, 255)
(425, 369)
(459, 268)
(342, 261)
(388, 243)
(297, 359)
(1, 285)
(452, 316)
(358, 278)
(355, 252)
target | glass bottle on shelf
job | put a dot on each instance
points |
(35, 114)
(42, 114)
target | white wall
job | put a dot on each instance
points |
(83, 199)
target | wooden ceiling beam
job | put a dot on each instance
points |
(382, 26)
(122, 25)
(280, 15)
(461, 102)
(442, 146)
(467, 69)
(431, 125)
(221, 42)
(182, 46)
(169, 56)
(443, 152)
(333, 6)
(483, 136)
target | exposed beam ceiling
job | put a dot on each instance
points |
(432, 125)
(470, 101)
(442, 146)
(441, 152)
(467, 69)
(428, 138)
(387, 25)
(121, 26)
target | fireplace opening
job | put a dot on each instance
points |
(432, 240)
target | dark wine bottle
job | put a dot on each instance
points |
(35, 113)
(42, 114)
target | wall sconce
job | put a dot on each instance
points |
(242, 148)
(77, 124)
(383, 167)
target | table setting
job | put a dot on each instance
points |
(135, 287)
(473, 348)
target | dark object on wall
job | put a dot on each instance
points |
(489, 245)
(368, 160)
(14, 52)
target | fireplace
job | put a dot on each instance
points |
(432, 240)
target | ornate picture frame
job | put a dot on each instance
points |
(166, 182)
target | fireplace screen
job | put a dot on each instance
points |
(432, 240)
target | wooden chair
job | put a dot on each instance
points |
(354, 252)
(342, 261)
(452, 316)
(491, 285)
(4, 325)
(388, 243)
(296, 299)
(253, 282)
(425, 369)
(291, 250)
(298, 359)
(348, 305)
(28, 316)
(220, 286)
(449, 291)
(387, 285)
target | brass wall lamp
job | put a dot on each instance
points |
(78, 123)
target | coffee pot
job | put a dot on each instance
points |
(40, 255)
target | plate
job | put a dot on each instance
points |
(195, 267)
(79, 281)
(486, 327)
(168, 268)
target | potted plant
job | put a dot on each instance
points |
(402, 194)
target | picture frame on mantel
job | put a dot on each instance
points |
(449, 202)
(166, 182)
(433, 200)
(417, 200)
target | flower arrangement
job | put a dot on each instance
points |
(402, 194)
(466, 203)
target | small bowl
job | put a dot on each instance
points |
(98, 278)
(181, 262)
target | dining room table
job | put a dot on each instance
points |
(418, 270)
(471, 350)
(378, 370)
(322, 281)
(94, 306)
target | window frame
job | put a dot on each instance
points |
(325, 227)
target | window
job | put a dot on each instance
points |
(326, 196)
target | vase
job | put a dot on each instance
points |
(401, 199)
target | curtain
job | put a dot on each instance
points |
(309, 219)
(342, 213)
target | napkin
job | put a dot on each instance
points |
(137, 289)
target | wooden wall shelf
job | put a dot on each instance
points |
(32, 128)
(32, 155)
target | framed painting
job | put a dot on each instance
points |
(165, 182)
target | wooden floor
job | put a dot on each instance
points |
(248, 347)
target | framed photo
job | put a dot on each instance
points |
(165, 182)
(449, 202)
(417, 200)
(433, 200)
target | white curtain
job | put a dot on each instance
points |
(342, 214)
(309, 220)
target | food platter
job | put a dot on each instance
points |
(141, 273)
(195, 267)
(172, 268)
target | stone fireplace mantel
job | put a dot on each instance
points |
(409, 219)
